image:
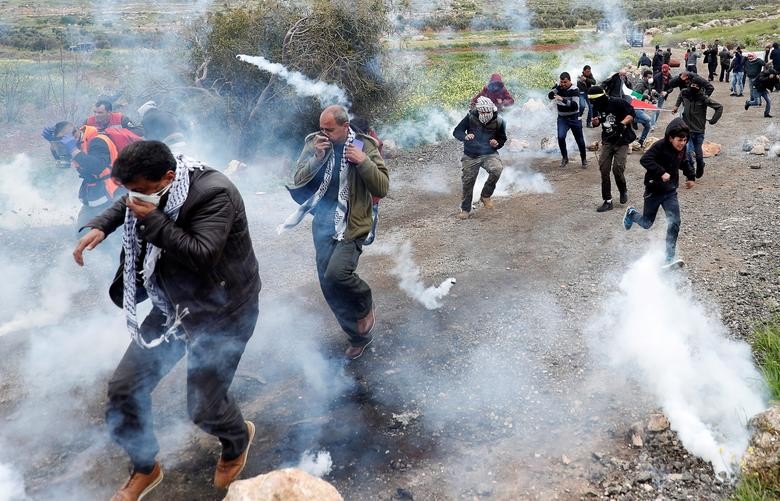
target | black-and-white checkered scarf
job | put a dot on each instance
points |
(177, 195)
(342, 205)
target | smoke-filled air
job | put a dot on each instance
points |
(389, 249)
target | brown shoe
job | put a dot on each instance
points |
(227, 471)
(464, 214)
(139, 485)
(354, 352)
(487, 202)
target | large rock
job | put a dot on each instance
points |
(289, 484)
(548, 144)
(516, 145)
(762, 459)
(758, 149)
(710, 149)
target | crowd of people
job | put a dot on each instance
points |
(186, 242)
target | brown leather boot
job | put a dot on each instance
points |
(227, 471)
(139, 485)
(354, 352)
(487, 202)
(366, 324)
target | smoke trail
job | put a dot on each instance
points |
(327, 93)
(317, 463)
(408, 273)
(706, 384)
(11, 485)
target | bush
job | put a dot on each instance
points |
(333, 41)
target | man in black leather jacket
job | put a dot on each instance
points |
(187, 246)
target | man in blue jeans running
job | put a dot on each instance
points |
(663, 162)
(567, 99)
(696, 103)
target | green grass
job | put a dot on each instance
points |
(750, 489)
(766, 346)
(490, 38)
(701, 18)
(747, 34)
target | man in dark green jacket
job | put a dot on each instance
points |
(337, 173)
(753, 67)
(696, 103)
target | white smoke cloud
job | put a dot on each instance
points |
(327, 93)
(11, 485)
(664, 339)
(317, 463)
(514, 180)
(24, 205)
(431, 126)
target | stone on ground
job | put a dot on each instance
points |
(289, 484)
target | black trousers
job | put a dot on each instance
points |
(348, 296)
(671, 208)
(212, 357)
(724, 71)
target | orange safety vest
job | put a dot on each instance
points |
(114, 120)
(88, 134)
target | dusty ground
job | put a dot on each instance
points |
(498, 385)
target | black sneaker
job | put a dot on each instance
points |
(699, 171)
(747, 105)
(584, 164)
(564, 162)
(767, 115)
(624, 197)
(607, 205)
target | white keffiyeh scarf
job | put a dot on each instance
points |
(342, 205)
(177, 195)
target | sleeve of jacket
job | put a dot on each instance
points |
(374, 172)
(707, 86)
(91, 164)
(687, 167)
(718, 110)
(679, 100)
(501, 134)
(201, 245)
(460, 130)
(650, 160)
(110, 219)
(307, 162)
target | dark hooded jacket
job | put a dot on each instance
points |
(695, 112)
(695, 78)
(483, 133)
(495, 90)
(658, 61)
(738, 62)
(207, 263)
(766, 80)
(663, 158)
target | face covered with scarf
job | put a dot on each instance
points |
(485, 108)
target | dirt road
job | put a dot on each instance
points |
(497, 393)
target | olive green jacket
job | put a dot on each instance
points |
(367, 179)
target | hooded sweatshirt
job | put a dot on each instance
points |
(695, 112)
(495, 90)
(663, 158)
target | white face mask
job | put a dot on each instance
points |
(650, 80)
(153, 199)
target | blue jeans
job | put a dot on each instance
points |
(754, 95)
(736, 82)
(574, 124)
(672, 210)
(763, 93)
(660, 104)
(585, 103)
(644, 120)
(694, 150)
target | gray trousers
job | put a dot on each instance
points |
(612, 158)
(470, 168)
(212, 358)
(348, 296)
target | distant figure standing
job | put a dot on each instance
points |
(584, 83)
(725, 64)
(483, 133)
(496, 91)
(737, 73)
(644, 60)
(711, 58)
(690, 62)
(658, 59)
